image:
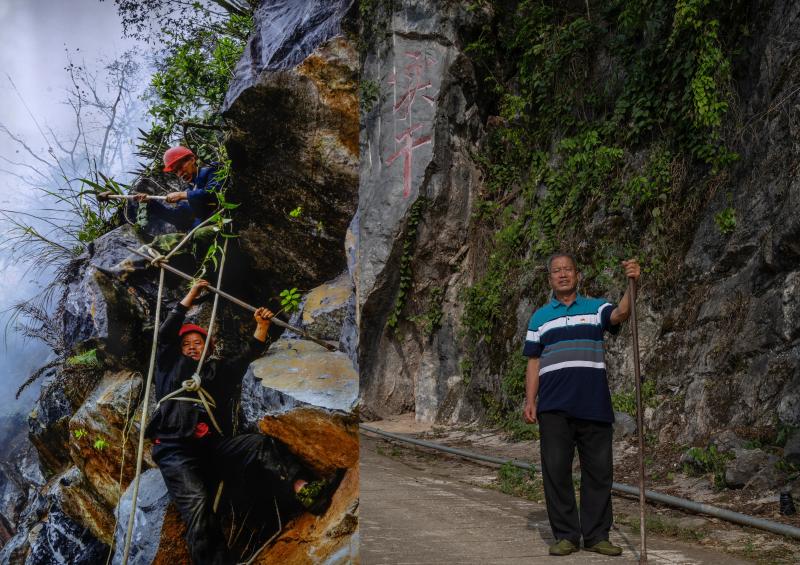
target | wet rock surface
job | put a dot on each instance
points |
(294, 147)
(48, 536)
(100, 308)
(286, 33)
(103, 434)
(48, 425)
(151, 511)
(307, 400)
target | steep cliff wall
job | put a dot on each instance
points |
(606, 129)
(292, 138)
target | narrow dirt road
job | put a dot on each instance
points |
(427, 509)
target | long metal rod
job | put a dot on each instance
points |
(107, 196)
(245, 305)
(639, 420)
(652, 496)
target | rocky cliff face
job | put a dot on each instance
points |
(719, 342)
(292, 110)
(417, 188)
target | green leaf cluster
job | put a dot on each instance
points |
(405, 276)
(625, 401)
(189, 84)
(85, 359)
(726, 220)
(708, 460)
(290, 299)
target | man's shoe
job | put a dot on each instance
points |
(605, 547)
(563, 547)
(316, 496)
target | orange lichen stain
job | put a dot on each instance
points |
(172, 546)
(332, 70)
(325, 442)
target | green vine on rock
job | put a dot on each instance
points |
(409, 244)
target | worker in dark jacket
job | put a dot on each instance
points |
(190, 452)
(193, 205)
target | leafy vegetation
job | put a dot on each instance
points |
(369, 93)
(409, 244)
(625, 401)
(431, 319)
(520, 482)
(85, 359)
(578, 157)
(708, 460)
(290, 300)
(726, 220)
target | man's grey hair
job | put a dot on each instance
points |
(555, 256)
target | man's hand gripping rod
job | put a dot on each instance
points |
(238, 302)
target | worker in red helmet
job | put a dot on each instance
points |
(193, 205)
(193, 454)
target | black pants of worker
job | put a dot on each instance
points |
(191, 468)
(559, 435)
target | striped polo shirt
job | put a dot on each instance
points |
(568, 340)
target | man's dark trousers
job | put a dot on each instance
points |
(559, 435)
(191, 468)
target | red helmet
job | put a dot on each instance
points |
(173, 155)
(188, 328)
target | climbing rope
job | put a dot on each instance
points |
(158, 261)
(195, 383)
(140, 449)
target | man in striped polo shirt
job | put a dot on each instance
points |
(567, 394)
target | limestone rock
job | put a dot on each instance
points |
(99, 430)
(77, 499)
(418, 182)
(308, 373)
(294, 147)
(325, 308)
(769, 477)
(100, 308)
(791, 451)
(20, 475)
(48, 424)
(48, 536)
(306, 401)
(157, 531)
(303, 26)
(727, 440)
(624, 425)
(745, 465)
(304, 396)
